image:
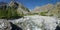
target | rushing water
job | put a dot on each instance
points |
(37, 22)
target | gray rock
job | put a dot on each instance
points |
(4, 25)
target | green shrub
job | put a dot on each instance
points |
(51, 15)
(43, 13)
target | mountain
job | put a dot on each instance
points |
(48, 10)
(56, 10)
(12, 10)
(44, 8)
(20, 7)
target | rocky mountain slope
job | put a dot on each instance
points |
(48, 10)
(20, 7)
(12, 10)
(56, 10)
(44, 8)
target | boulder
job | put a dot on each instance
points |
(5, 25)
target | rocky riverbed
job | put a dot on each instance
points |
(34, 22)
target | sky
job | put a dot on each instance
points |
(31, 4)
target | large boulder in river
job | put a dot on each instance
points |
(4, 25)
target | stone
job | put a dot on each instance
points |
(4, 25)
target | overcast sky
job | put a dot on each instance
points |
(31, 4)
